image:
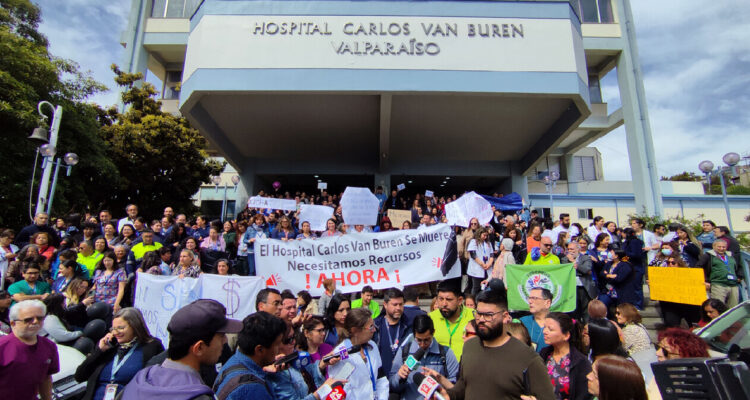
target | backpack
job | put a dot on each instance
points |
(407, 346)
(236, 381)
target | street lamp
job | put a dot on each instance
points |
(48, 150)
(216, 180)
(70, 160)
(551, 182)
(707, 167)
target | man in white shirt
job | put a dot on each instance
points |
(132, 211)
(564, 227)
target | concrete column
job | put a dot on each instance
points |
(245, 189)
(637, 127)
(135, 58)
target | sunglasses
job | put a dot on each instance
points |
(288, 340)
(31, 320)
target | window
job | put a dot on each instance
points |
(174, 8)
(585, 213)
(594, 11)
(546, 213)
(584, 169)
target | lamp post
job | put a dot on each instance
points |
(216, 180)
(707, 167)
(70, 160)
(551, 182)
(48, 153)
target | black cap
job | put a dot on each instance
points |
(201, 318)
(4, 294)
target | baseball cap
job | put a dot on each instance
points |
(201, 318)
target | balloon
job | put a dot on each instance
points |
(277, 185)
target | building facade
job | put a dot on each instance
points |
(438, 95)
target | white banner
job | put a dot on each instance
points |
(271, 203)
(359, 206)
(468, 206)
(381, 260)
(159, 297)
(317, 216)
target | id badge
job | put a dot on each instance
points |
(110, 391)
(731, 277)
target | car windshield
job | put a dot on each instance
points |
(728, 329)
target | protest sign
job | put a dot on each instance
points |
(398, 217)
(381, 260)
(317, 216)
(359, 206)
(466, 207)
(678, 285)
(428, 193)
(159, 297)
(271, 203)
(322, 185)
(400, 187)
(560, 279)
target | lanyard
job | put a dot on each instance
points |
(394, 345)
(117, 364)
(455, 328)
(372, 374)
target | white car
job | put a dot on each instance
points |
(727, 329)
(64, 386)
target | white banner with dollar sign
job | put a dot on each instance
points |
(159, 297)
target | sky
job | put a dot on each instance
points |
(695, 57)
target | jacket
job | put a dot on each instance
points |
(579, 368)
(384, 341)
(432, 359)
(624, 283)
(170, 380)
(716, 271)
(93, 365)
(584, 272)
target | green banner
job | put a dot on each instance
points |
(560, 279)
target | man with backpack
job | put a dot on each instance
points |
(436, 357)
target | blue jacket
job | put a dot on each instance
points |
(252, 390)
(251, 233)
(290, 385)
(168, 380)
(385, 342)
(431, 360)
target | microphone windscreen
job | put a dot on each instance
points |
(418, 378)
(419, 354)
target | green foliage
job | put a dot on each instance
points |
(738, 190)
(28, 75)
(695, 224)
(161, 159)
(683, 177)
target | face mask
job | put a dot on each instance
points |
(666, 252)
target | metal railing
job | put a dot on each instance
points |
(174, 8)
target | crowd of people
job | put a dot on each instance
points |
(72, 282)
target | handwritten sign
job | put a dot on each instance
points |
(678, 285)
(316, 215)
(429, 193)
(322, 185)
(468, 206)
(159, 297)
(359, 206)
(271, 203)
(398, 217)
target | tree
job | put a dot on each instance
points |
(28, 75)
(683, 177)
(161, 159)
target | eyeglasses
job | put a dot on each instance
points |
(118, 329)
(546, 245)
(31, 320)
(371, 328)
(288, 340)
(423, 341)
(486, 316)
(672, 262)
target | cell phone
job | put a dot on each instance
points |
(344, 372)
(113, 341)
(526, 383)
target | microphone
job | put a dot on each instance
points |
(344, 353)
(337, 392)
(413, 359)
(426, 386)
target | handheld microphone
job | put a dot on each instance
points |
(426, 386)
(293, 356)
(304, 360)
(337, 392)
(413, 360)
(344, 353)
